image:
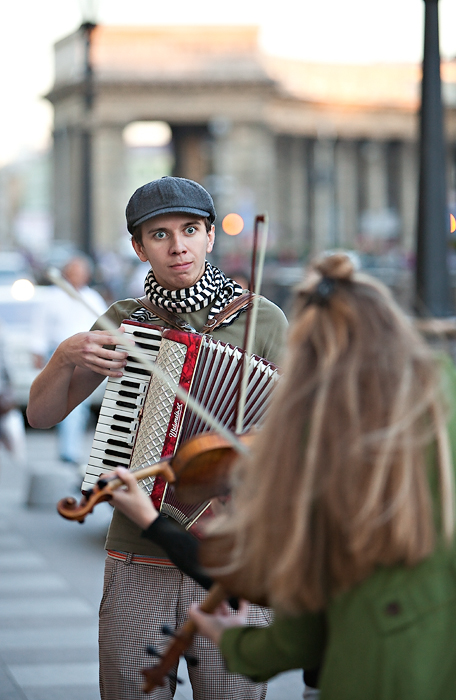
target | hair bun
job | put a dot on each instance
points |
(338, 266)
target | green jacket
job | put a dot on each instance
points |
(392, 637)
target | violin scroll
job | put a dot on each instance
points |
(70, 509)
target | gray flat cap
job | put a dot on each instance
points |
(167, 195)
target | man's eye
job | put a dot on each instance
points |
(160, 235)
(190, 230)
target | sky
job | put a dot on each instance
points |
(346, 31)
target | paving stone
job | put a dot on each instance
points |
(55, 674)
(49, 638)
(45, 607)
(32, 583)
(21, 560)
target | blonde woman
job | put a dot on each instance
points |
(343, 515)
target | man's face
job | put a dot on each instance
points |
(176, 247)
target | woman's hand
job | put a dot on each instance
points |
(133, 502)
(213, 626)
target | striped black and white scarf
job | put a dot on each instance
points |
(214, 289)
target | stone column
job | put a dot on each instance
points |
(67, 184)
(377, 222)
(324, 211)
(298, 197)
(291, 185)
(408, 205)
(109, 184)
(191, 152)
(243, 179)
(346, 193)
(377, 183)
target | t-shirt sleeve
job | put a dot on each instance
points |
(116, 313)
(272, 327)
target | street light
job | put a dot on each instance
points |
(433, 290)
(89, 12)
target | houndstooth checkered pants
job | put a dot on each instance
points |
(137, 600)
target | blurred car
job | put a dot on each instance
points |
(19, 305)
(13, 266)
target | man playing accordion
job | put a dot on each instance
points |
(171, 221)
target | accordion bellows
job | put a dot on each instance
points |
(141, 420)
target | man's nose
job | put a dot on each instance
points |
(178, 244)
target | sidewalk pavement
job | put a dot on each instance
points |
(51, 575)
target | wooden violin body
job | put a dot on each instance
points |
(203, 465)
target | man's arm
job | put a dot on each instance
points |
(77, 367)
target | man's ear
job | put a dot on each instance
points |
(139, 250)
(210, 239)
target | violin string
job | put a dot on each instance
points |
(56, 277)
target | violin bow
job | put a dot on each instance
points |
(252, 312)
(154, 675)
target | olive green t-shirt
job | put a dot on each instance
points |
(270, 333)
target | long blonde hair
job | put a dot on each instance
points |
(337, 482)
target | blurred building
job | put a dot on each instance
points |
(25, 206)
(329, 150)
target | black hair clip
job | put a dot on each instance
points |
(322, 292)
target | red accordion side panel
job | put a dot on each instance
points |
(193, 342)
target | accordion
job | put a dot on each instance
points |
(142, 420)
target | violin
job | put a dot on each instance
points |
(199, 471)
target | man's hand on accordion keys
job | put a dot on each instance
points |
(93, 350)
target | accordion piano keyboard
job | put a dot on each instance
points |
(118, 421)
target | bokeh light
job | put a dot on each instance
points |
(452, 223)
(22, 290)
(233, 224)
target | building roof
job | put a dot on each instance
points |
(227, 54)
